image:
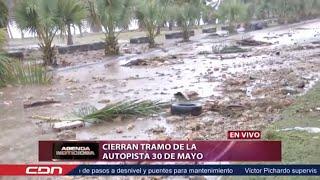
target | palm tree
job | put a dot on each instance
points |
(70, 12)
(264, 9)
(93, 18)
(186, 13)
(3, 14)
(114, 16)
(151, 13)
(233, 12)
(40, 17)
(3, 23)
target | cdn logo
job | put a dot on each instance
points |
(44, 170)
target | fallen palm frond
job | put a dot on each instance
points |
(124, 108)
(84, 111)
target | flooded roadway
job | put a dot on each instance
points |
(198, 69)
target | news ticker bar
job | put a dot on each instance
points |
(159, 170)
(160, 151)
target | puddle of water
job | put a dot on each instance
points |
(304, 33)
(307, 129)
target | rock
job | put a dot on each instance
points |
(194, 126)
(192, 95)
(289, 90)
(158, 130)
(187, 95)
(301, 84)
(49, 98)
(237, 82)
(119, 131)
(177, 35)
(173, 119)
(1, 93)
(48, 101)
(104, 101)
(219, 122)
(284, 83)
(139, 40)
(195, 136)
(130, 126)
(209, 30)
(269, 109)
(66, 135)
(163, 137)
(308, 78)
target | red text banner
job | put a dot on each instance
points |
(160, 151)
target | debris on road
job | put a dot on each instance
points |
(40, 103)
(251, 42)
(157, 130)
(187, 95)
(67, 125)
(229, 50)
(194, 109)
(67, 135)
(154, 61)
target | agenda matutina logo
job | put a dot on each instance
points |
(75, 150)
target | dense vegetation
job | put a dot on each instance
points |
(46, 18)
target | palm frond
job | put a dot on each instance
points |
(126, 109)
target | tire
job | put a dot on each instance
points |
(194, 109)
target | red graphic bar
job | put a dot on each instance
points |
(35, 170)
(160, 151)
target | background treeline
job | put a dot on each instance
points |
(50, 18)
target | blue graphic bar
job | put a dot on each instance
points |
(196, 170)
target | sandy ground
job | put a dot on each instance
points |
(259, 83)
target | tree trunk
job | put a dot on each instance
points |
(48, 55)
(158, 30)
(95, 28)
(70, 41)
(231, 28)
(152, 42)
(80, 30)
(10, 32)
(170, 25)
(185, 34)
(111, 46)
(151, 36)
(141, 25)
